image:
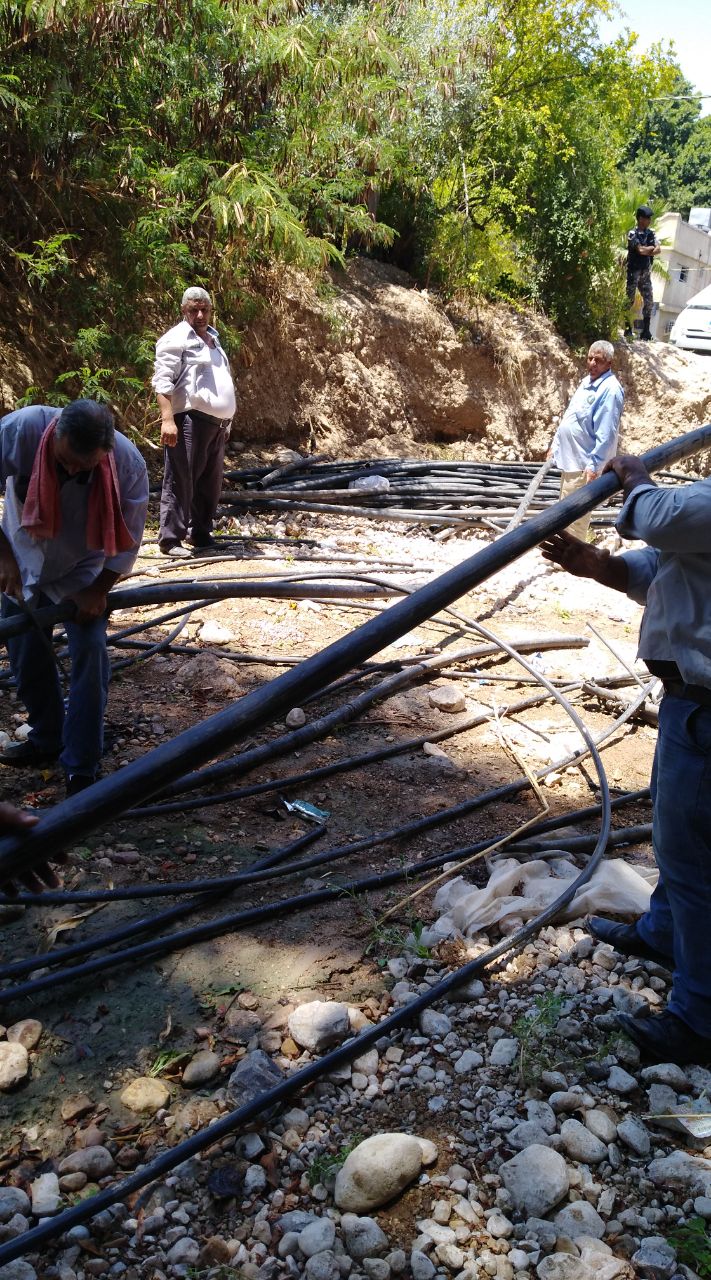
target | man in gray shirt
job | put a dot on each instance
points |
(196, 398)
(672, 577)
(76, 495)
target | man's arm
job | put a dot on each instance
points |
(585, 561)
(168, 426)
(10, 578)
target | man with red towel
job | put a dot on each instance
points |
(76, 494)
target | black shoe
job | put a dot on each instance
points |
(77, 782)
(204, 544)
(177, 551)
(665, 1038)
(646, 336)
(25, 755)
(625, 939)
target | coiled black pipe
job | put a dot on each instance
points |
(143, 778)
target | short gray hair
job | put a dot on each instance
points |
(604, 349)
(195, 294)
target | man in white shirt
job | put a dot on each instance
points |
(196, 398)
(588, 432)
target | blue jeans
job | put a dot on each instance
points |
(679, 915)
(78, 733)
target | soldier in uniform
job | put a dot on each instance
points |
(641, 248)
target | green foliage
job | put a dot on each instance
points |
(323, 1165)
(668, 157)
(693, 1246)
(536, 1034)
(476, 143)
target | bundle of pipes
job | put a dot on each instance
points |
(424, 491)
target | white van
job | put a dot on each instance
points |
(692, 327)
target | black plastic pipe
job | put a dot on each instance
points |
(52, 1228)
(79, 814)
(207, 891)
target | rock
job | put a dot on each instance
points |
(633, 1134)
(215, 633)
(323, 1266)
(434, 1024)
(602, 1122)
(319, 1024)
(681, 1170)
(95, 1162)
(666, 1073)
(76, 1107)
(504, 1052)
(296, 1119)
(296, 718)
(579, 1219)
(145, 1095)
(473, 989)
(420, 1265)
(184, 1252)
(202, 1067)
(17, 1226)
(580, 1144)
(620, 1081)
(27, 1032)
(317, 1237)
(536, 1179)
(447, 697)
(213, 676)
(655, 1258)
(255, 1074)
(379, 1169)
(468, 1061)
(498, 1226)
(255, 1180)
(45, 1195)
(376, 1268)
(14, 1064)
(13, 1200)
(363, 1237)
(73, 1181)
(563, 1266)
(526, 1134)
(18, 1270)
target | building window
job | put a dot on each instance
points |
(683, 274)
(669, 326)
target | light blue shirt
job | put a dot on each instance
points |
(672, 575)
(587, 436)
(61, 566)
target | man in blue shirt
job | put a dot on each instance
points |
(671, 576)
(587, 435)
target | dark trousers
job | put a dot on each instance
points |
(641, 280)
(79, 732)
(677, 922)
(192, 480)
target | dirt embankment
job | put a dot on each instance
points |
(371, 364)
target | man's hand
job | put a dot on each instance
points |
(571, 553)
(590, 475)
(630, 470)
(90, 603)
(585, 561)
(10, 580)
(169, 433)
(16, 822)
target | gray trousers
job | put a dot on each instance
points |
(192, 480)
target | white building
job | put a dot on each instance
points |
(686, 255)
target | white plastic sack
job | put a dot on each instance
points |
(522, 890)
(371, 484)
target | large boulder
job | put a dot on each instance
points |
(379, 1169)
(319, 1024)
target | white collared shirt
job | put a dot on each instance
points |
(194, 375)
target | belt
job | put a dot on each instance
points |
(692, 692)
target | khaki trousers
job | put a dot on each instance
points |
(570, 482)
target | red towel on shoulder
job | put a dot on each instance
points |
(42, 513)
